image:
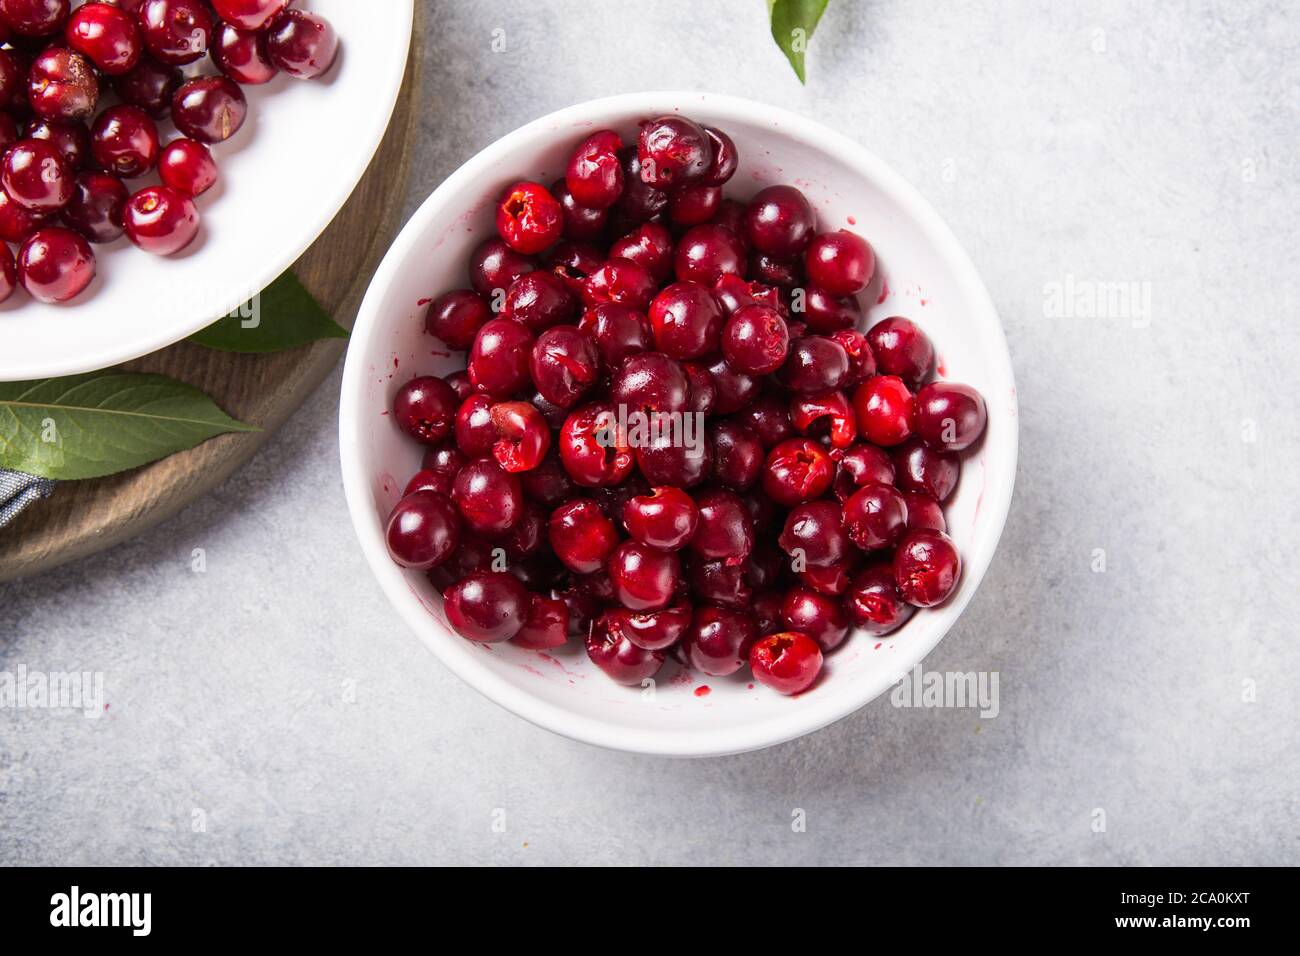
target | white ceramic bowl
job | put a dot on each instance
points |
(284, 177)
(925, 275)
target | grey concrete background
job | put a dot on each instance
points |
(1104, 141)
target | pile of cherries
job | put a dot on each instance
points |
(65, 166)
(811, 505)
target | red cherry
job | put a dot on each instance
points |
(788, 662)
(55, 265)
(161, 220)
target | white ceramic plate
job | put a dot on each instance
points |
(925, 274)
(284, 176)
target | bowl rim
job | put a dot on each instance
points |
(814, 712)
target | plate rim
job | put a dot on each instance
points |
(274, 266)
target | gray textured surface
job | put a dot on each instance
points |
(1107, 142)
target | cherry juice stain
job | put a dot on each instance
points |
(702, 691)
(555, 662)
(421, 303)
(884, 291)
(853, 220)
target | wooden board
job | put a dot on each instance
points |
(85, 517)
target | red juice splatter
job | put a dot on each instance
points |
(702, 690)
(853, 220)
(884, 291)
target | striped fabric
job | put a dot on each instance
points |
(17, 491)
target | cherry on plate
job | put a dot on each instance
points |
(621, 660)
(797, 470)
(455, 318)
(529, 218)
(124, 141)
(650, 630)
(523, 437)
(755, 340)
(666, 518)
(187, 166)
(425, 408)
(210, 109)
(108, 36)
(302, 44)
(487, 606)
(902, 350)
(817, 615)
(595, 175)
(423, 530)
(62, 85)
(55, 265)
(718, 640)
(546, 626)
(788, 662)
(875, 517)
(950, 417)
(581, 535)
(780, 222)
(161, 220)
(151, 86)
(842, 263)
(814, 534)
(490, 499)
(564, 365)
(243, 56)
(918, 467)
(885, 410)
(176, 32)
(592, 448)
(498, 360)
(927, 567)
(708, 252)
(36, 177)
(673, 152)
(644, 578)
(874, 601)
(249, 14)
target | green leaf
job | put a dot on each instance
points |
(284, 316)
(793, 23)
(88, 426)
